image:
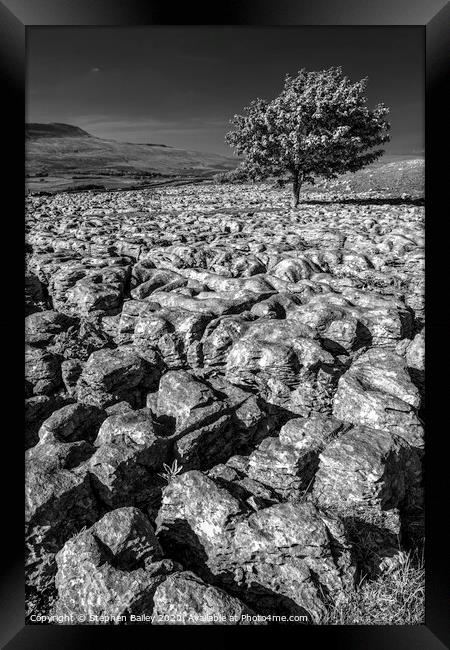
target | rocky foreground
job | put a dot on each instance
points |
(224, 401)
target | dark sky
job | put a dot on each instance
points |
(180, 85)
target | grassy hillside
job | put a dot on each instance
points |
(61, 156)
(401, 175)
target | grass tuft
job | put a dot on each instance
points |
(397, 597)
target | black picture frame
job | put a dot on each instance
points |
(434, 16)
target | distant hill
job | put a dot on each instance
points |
(54, 130)
(62, 156)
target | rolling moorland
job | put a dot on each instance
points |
(224, 396)
(61, 157)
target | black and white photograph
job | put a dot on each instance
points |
(225, 325)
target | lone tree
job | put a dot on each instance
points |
(318, 126)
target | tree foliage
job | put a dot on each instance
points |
(318, 126)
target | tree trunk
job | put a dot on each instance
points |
(296, 190)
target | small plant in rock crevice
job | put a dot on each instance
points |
(170, 471)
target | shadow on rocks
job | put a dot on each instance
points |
(191, 554)
(368, 201)
(369, 544)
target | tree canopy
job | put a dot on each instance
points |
(318, 126)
